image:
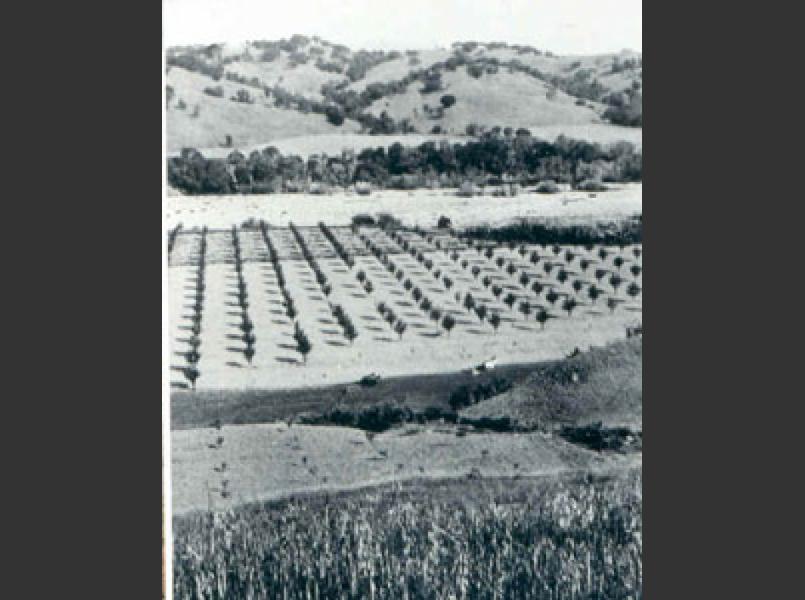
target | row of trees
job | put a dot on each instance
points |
(192, 356)
(342, 252)
(621, 233)
(248, 336)
(172, 234)
(490, 159)
(389, 316)
(303, 344)
(340, 315)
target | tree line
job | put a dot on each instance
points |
(496, 156)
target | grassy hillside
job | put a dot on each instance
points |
(304, 79)
(501, 99)
(217, 117)
(398, 68)
(604, 384)
(519, 87)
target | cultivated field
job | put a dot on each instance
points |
(541, 538)
(284, 307)
(420, 207)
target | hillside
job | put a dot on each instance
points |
(260, 92)
(207, 120)
(500, 99)
(607, 386)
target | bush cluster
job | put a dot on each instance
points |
(467, 395)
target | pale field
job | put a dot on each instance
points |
(425, 348)
(419, 207)
(269, 461)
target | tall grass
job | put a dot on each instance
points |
(577, 538)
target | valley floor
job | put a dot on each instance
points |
(420, 207)
(270, 461)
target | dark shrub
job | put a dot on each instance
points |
(590, 185)
(335, 116)
(216, 91)
(547, 187)
(363, 219)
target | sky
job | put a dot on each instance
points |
(560, 26)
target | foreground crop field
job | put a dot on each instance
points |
(284, 307)
(499, 538)
(419, 207)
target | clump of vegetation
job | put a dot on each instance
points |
(591, 185)
(468, 395)
(547, 187)
(610, 234)
(599, 438)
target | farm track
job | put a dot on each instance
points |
(425, 347)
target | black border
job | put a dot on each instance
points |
(82, 278)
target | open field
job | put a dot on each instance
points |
(420, 207)
(270, 283)
(271, 460)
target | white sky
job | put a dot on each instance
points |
(561, 26)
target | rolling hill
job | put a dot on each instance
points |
(258, 93)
